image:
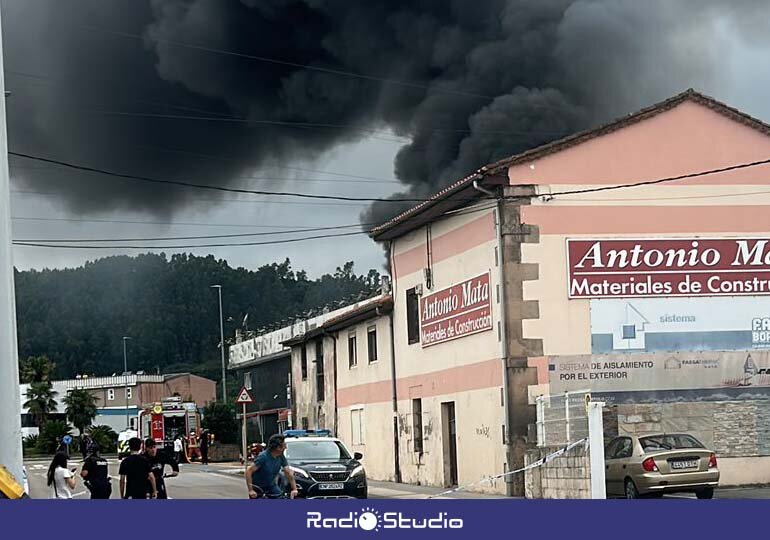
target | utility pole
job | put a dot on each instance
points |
(222, 342)
(125, 377)
(10, 407)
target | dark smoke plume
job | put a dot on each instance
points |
(471, 81)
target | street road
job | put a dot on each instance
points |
(226, 482)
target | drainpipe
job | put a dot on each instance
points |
(394, 396)
(334, 390)
(503, 329)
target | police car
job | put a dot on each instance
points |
(323, 467)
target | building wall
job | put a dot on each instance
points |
(319, 414)
(377, 444)
(688, 138)
(466, 371)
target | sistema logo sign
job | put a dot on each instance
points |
(370, 519)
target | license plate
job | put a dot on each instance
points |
(331, 486)
(689, 464)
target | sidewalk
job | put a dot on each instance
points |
(377, 490)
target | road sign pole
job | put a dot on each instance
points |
(243, 436)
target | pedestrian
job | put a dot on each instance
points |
(135, 473)
(204, 446)
(95, 473)
(60, 479)
(178, 448)
(158, 461)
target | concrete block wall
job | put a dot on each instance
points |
(565, 477)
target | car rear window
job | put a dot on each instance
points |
(669, 442)
(315, 451)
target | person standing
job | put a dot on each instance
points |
(95, 473)
(60, 479)
(204, 446)
(178, 449)
(135, 474)
(158, 461)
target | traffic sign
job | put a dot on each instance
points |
(244, 396)
(67, 440)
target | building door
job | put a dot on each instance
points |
(449, 436)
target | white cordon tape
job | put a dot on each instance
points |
(538, 463)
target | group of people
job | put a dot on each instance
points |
(141, 473)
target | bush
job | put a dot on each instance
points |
(51, 435)
(30, 441)
(219, 419)
(105, 437)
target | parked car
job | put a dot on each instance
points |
(323, 467)
(651, 465)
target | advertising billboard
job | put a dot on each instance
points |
(628, 268)
(458, 311)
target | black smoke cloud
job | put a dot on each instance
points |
(483, 79)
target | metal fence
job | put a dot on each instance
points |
(562, 418)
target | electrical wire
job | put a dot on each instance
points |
(210, 187)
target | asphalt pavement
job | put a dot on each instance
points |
(226, 482)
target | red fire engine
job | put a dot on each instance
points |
(168, 419)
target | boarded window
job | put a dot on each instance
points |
(357, 426)
(352, 358)
(319, 370)
(371, 340)
(417, 424)
(413, 316)
(303, 362)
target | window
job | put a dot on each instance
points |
(357, 426)
(417, 424)
(319, 370)
(413, 316)
(629, 331)
(129, 393)
(111, 394)
(247, 380)
(624, 449)
(371, 340)
(303, 361)
(304, 422)
(352, 359)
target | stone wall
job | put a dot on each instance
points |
(565, 477)
(730, 428)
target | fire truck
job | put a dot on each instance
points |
(168, 419)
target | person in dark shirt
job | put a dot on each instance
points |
(158, 461)
(136, 473)
(96, 474)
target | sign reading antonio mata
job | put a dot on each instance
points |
(455, 312)
(624, 268)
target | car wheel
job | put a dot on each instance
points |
(631, 491)
(706, 493)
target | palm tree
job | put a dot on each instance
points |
(37, 369)
(81, 408)
(40, 401)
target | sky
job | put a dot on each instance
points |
(373, 99)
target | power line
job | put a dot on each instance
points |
(287, 63)
(657, 181)
(174, 223)
(210, 187)
(267, 243)
(204, 237)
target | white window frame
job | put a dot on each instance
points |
(357, 413)
(247, 380)
(110, 394)
(129, 392)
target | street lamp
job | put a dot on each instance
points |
(222, 341)
(125, 378)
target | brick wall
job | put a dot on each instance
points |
(565, 477)
(731, 428)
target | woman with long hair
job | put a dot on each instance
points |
(60, 479)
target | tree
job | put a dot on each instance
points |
(51, 435)
(36, 369)
(81, 408)
(40, 401)
(219, 418)
(105, 437)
